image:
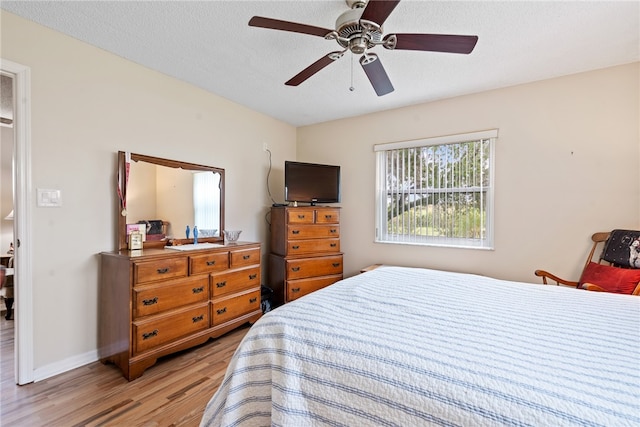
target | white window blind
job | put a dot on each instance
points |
(436, 191)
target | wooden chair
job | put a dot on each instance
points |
(618, 262)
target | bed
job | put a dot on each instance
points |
(411, 347)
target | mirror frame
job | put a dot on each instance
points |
(122, 184)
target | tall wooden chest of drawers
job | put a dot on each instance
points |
(154, 302)
(305, 250)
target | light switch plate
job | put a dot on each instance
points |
(49, 198)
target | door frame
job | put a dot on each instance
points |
(22, 223)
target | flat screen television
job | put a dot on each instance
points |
(311, 183)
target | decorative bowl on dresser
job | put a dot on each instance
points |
(305, 250)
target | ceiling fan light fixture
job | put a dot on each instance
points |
(358, 45)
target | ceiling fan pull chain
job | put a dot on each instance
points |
(351, 88)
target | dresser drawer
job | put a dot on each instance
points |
(300, 216)
(302, 287)
(295, 247)
(234, 281)
(312, 231)
(227, 309)
(311, 267)
(328, 216)
(208, 263)
(168, 295)
(242, 258)
(162, 329)
(152, 271)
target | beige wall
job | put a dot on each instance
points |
(567, 165)
(86, 105)
(568, 162)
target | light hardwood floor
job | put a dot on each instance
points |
(174, 392)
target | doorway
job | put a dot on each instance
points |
(21, 183)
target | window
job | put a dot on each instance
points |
(436, 191)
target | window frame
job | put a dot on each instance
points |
(381, 193)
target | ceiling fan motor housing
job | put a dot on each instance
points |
(353, 35)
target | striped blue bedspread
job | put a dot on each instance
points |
(417, 347)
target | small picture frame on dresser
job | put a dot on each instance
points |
(135, 241)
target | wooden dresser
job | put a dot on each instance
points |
(305, 250)
(154, 302)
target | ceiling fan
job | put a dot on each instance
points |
(360, 29)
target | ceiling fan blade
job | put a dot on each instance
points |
(377, 75)
(276, 24)
(378, 10)
(314, 68)
(431, 42)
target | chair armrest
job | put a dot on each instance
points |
(592, 287)
(546, 275)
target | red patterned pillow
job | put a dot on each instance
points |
(611, 279)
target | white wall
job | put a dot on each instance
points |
(567, 165)
(86, 105)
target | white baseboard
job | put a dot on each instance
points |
(65, 365)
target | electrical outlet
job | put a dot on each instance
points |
(265, 147)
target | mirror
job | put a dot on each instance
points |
(162, 197)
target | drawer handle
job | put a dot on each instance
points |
(246, 256)
(221, 284)
(333, 245)
(148, 335)
(197, 290)
(333, 230)
(295, 268)
(197, 319)
(210, 263)
(295, 247)
(163, 270)
(151, 301)
(221, 310)
(252, 300)
(294, 290)
(252, 276)
(295, 231)
(328, 216)
(300, 216)
(336, 264)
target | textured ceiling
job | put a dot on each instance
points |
(210, 45)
